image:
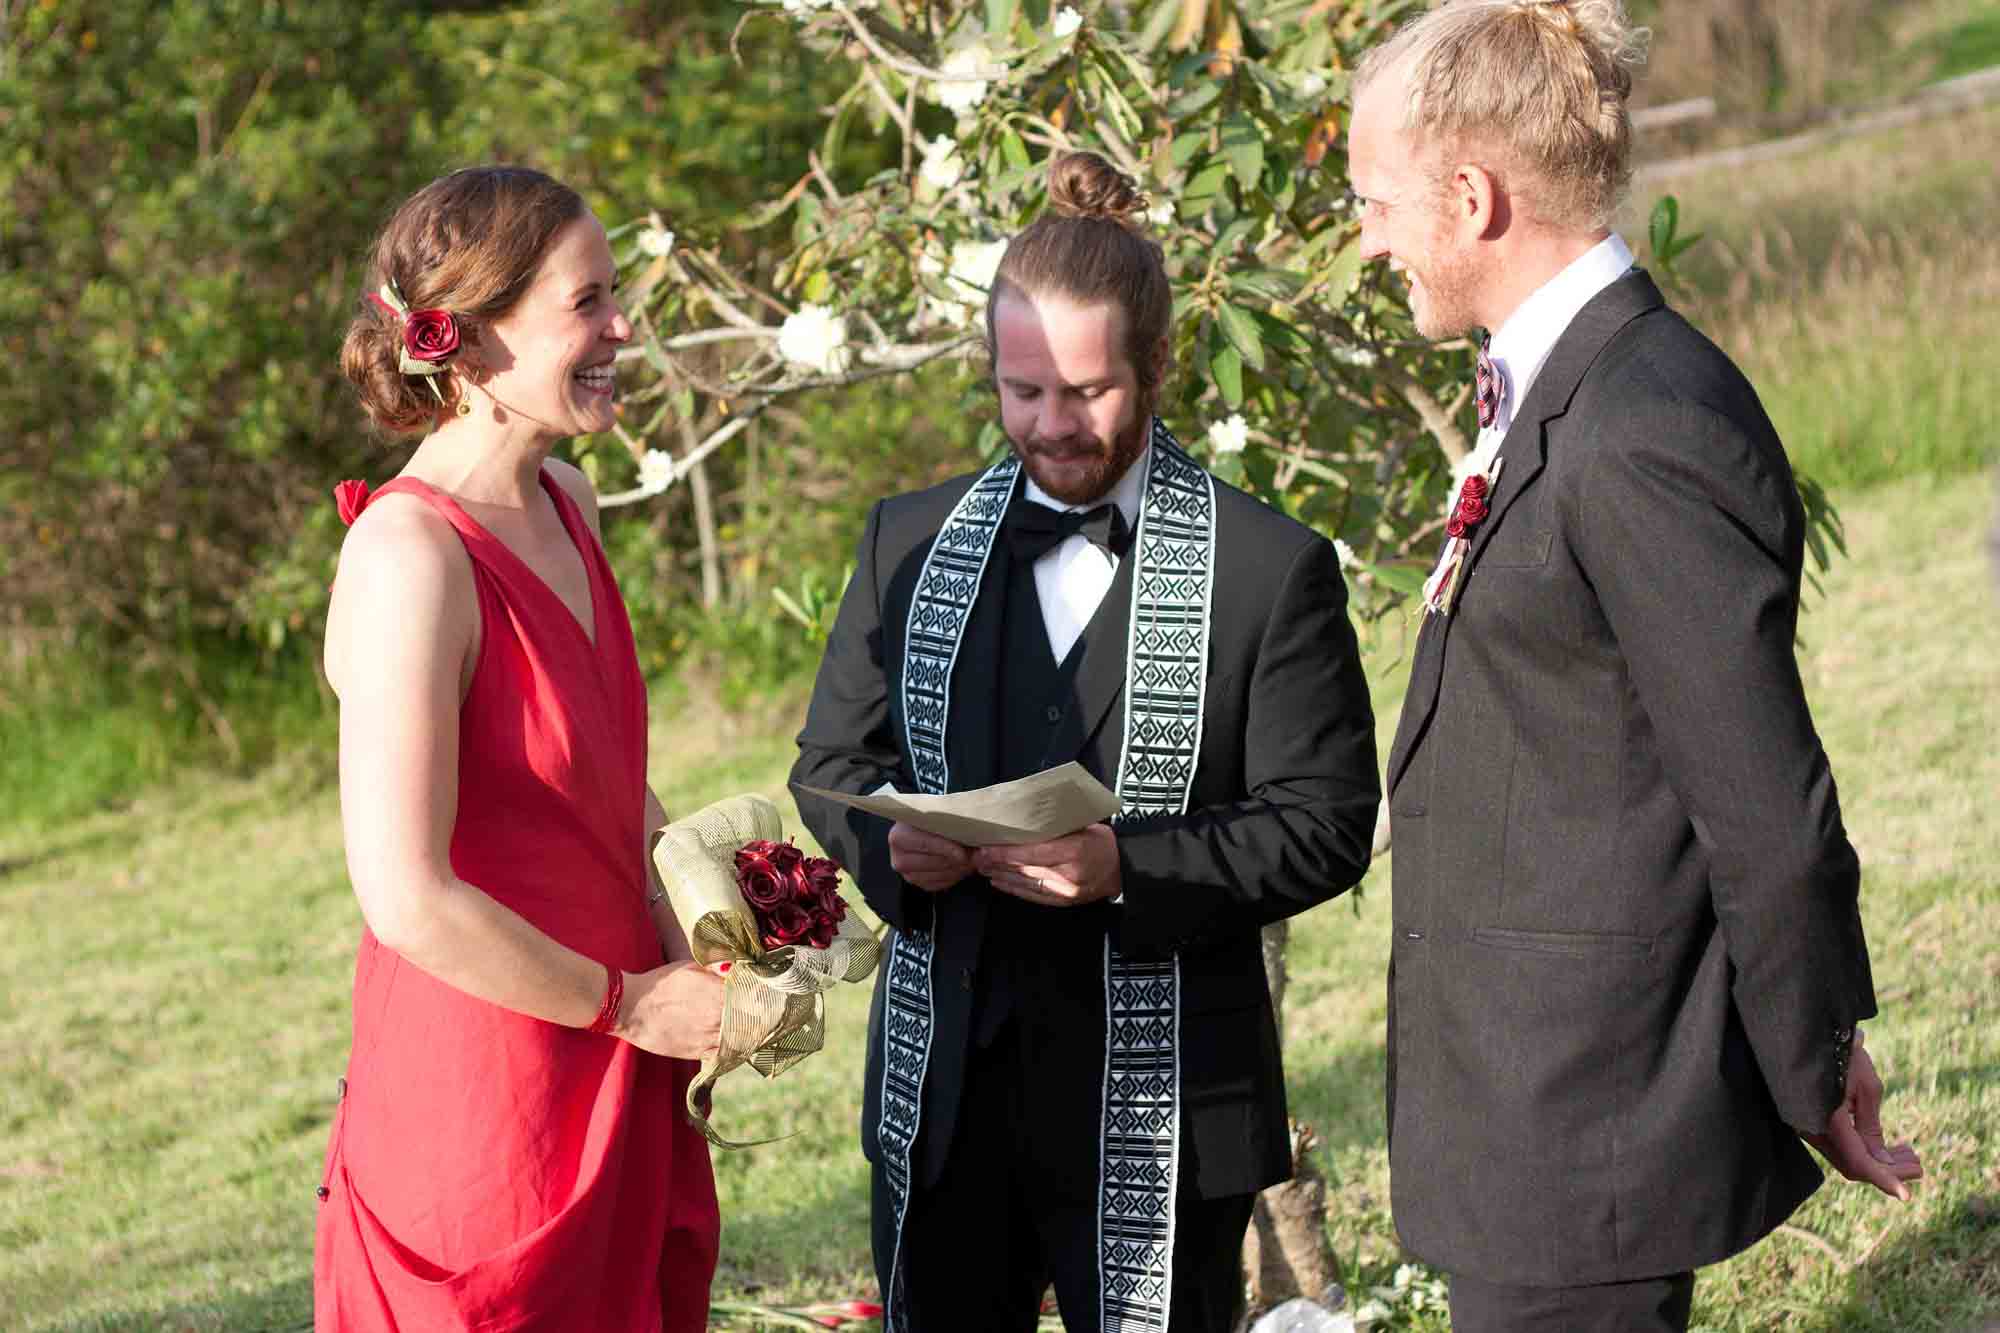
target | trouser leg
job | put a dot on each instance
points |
(1651, 1305)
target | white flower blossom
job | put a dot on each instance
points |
(967, 72)
(1311, 86)
(656, 241)
(1161, 214)
(1231, 436)
(973, 264)
(942, 166)
(656, 471)
(1352, 355)
(1345, 553)
(1066, 22)
(805, 6)
(1371, 1312)
(816, 338)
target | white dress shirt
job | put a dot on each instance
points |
(1521, 345)
(1072, 578)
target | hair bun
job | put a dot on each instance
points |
(1084, 185)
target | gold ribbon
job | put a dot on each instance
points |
(773, 1006)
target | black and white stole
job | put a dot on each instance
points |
(1166, 672)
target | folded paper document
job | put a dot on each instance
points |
(1049, 804)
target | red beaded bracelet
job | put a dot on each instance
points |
(614, 993)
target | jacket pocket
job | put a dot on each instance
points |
(1520, 551)
(1568, 943)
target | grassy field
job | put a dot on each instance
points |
(173, 1010)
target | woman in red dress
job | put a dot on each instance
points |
(509, 1151)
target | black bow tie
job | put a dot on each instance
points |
(1035, 529)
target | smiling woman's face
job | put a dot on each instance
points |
(549, 359)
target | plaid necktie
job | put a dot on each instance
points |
(1487, 385)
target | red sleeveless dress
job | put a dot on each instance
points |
(488, 1170)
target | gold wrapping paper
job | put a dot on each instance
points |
(773, 1012)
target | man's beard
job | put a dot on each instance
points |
(1091, 467)
(1449, 284)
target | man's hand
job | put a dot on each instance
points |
(1852, 1143)
(1064, 872)
(931, 863)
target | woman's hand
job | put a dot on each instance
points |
(674, 1011)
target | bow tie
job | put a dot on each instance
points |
(1035, 529)
(1489, 385)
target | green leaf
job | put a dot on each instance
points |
(1241, 330)
(1202, 189)
(1272, 284)
(999, 16)
(1243, 149)
(1015, 151)
(1400, 578)
(1660, 229)
(1344, 271)
(1225, 363)
(1194, 100)
(818, 285)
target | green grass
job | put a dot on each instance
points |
(175, 1010)
(1857, 291)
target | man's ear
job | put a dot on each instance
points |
(1160, 351)
(1477, 201)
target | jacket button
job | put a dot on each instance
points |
(965, 978)
(1413, 934)
(1054, 714)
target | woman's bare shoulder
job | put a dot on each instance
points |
(577, 485)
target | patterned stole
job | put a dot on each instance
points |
(1166, 673)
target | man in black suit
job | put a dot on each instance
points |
(1628, 961)
(1073, 1070)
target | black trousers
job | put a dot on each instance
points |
(1651, 1305)
(1010, 1215)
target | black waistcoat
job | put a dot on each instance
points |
(1032, 953)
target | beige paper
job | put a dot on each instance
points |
(1049, 804)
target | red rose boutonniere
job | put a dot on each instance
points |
(794, 897)
(1467, 513)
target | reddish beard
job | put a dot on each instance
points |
(1090, 466)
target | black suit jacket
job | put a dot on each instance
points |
(1280, 818)
(1626, 929)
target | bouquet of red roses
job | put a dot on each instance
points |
(775, 916)
(795, 897)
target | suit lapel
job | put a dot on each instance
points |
(1525, 451)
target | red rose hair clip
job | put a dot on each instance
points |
(430, 336)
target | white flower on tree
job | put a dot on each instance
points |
(1066, 22)
(1230, 436)
(1161, 214)
(973, 264)
(942, 167)
(1345, 554)
(966, 71)
(656, 241)
(656, 471)
(816, 338)
(805, 6)
(1311, 86)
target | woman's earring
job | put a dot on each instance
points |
(464, 407)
